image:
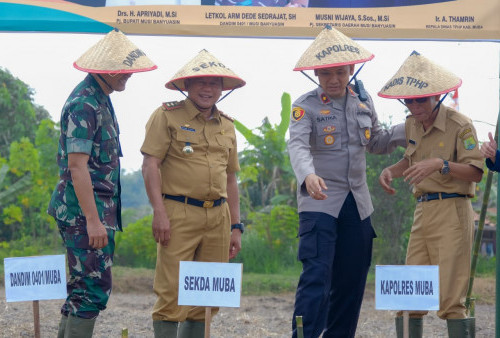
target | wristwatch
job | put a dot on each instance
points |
(239, 226)
(445, 170)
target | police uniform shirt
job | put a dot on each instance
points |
(329, 138)
(201, 174)
(451, 137)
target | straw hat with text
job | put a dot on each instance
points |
(419, 77)
(205, 65)
(331, 48)
(114, 53)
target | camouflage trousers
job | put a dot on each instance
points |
(89, 283)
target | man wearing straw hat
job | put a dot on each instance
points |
(442, 161)
(331, 128)
(189, 169)
(86, 200)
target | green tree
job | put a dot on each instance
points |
(393, 215)
(267, 186)
(266, 176)
(32, 173)
(19, 115)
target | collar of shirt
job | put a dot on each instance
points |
(439, 122)
(193, 112)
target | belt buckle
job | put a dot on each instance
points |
(423, 198)
(208, 204)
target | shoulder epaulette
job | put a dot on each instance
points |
(171, 105)
(226, 116)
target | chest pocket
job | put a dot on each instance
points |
(187, 136)
(410, 153)
(108, 148)
(225, 145)
(365, 127)
(328, 137)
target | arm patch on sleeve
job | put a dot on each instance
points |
(298, 113)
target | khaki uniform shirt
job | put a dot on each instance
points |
(451, 137)
(202, 174)
(329, 138)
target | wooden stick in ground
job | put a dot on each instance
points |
(36, 317)
(208, 320)
(406, 324)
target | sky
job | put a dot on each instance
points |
(44, 61)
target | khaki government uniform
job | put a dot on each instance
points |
(443, 229)
(197, 233)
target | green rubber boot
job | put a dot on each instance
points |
(191, 329)
(165, 329)
(416, 327)
(77, 327)
(62, 326)
(461, 328)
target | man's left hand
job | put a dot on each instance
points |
(421, 170)
(235, 244)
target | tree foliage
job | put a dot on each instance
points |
(19, 115)
(393, 215)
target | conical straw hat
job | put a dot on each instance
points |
(419, 77)
(205, 64)
(114, 53)
(331, 48)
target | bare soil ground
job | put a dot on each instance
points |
(259, 316)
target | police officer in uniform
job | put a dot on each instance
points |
(86, 200)
(331, 128)
(442, 162)
(190, 161)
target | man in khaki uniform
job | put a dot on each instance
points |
(190, 161)
(442, 162)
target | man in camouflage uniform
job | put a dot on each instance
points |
(86, 200)
(189, 169)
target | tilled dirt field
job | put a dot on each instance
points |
(258, 316)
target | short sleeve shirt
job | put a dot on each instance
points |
(89, 126)
(202, 173)
(452, 137)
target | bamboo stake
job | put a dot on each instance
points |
(300, 327)
(479, 235)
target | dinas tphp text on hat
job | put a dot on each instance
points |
(419, 77)
(331, 48)
(114, 53)
(205, 65)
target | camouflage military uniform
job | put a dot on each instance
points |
(88, 125)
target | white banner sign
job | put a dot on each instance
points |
(210, 284)
(407, 287)
(35, 278)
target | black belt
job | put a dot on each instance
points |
(437, 196)
(192, 201)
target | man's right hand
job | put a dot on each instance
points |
(385, 180)
(315, 186)
(161, 227)
(98, 236)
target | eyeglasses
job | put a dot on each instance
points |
(419, 100)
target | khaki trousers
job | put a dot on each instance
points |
(197, 234)
(442, 234)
